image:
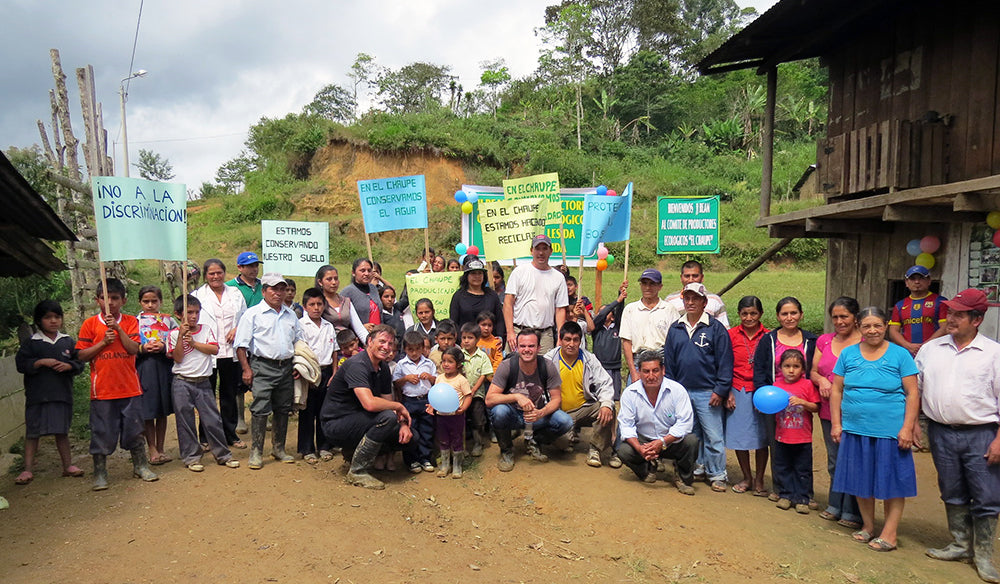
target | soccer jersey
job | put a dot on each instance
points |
(919, 318)
(112, 371)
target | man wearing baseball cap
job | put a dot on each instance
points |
(265, 345)
(960, 385)
(645, 322)
(246, 282)
(535, 297)
(917, 318)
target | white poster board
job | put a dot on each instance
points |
(294, 248)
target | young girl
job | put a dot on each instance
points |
(450, 428)
(393, 317)
(48, 362)
(153, 366)
(424, 309)
(794, 428)
(491, 344)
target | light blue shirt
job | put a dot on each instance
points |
(407, 367)
(672, 413)
(268, 333)
(874, 403)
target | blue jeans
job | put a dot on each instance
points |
(708, 427)
(546, 429)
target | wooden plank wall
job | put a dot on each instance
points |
(921, 62)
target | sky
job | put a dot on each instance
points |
(216, 68)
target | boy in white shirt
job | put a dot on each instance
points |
(413, 376)
(192, 346)
(321, 337)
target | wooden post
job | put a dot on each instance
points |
(625, 276)
(368, 243)
(598, 282)
(427, 246)
(767, 156)
(757, 263)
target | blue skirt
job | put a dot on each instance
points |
(744, 424)
(874, 468)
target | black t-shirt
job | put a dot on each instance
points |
(357, 371)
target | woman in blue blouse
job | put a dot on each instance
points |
(873, 411)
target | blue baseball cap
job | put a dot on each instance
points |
(247, 258)
(915, 270)
(651, 275)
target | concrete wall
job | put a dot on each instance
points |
(11, 404)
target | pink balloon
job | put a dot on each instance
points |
(612, 193)
(930, 244)
(472, 250)
(602, 253)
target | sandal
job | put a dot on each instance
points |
(849, 524)
(24, 478)
(719, 486)
(861, 536)
(325, 455)
(311, 458)
(72, 471)
(880, 545)
(239, 444)
(740, 487)
(761, 493)
(829, 516)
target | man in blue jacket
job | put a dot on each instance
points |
(699, 356)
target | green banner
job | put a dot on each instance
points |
(687, 225)
(437, 286)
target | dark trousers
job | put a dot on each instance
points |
(311, 436)
(116, 421)
(450, 432)
(964, 477)
(476, 417)
(188, 397)
(273, 387)
(793, 463)
(382, 427)
(228, 374)
(422, 425)
(683, 452)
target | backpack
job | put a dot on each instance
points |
(543, 375)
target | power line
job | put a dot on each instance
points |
(189, 139)
(135, 41)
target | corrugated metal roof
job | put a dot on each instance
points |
(25, 221)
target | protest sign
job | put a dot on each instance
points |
(294, 248)
(606, 219)
(140, 219)
(539, 185)
(436, 286)
(687, 225)
(509, 224)
(388, 204)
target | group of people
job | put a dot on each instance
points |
(517, 358)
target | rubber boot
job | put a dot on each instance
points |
(100, 473)
(258, 428)
(278, 439)
(506, 443)
(361, 463)
(445, 467)
(480, 442)
(984, 531)
(241, 418)
(960, 526)
(140, 465)
(535, 451)
(457, 458)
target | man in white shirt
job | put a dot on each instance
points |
(655, 422)
(645, 322)
(960, 395)
(535, 297)
(692, 273)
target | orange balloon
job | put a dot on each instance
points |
(602, 265)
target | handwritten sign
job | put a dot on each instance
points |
(439, 287)
(539, 185)
(388, 204)
(140, 219)
(294, 248)
(606, 219)
(508, 225)
(687, 225)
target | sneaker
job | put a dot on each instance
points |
(785, 504)
(684, 488)
(801, 508)
(506, 461)
(427, 466)
(594, 458)
(196, 467)
(416, 468)
(232, 463)
(535, 452)
(615, 462)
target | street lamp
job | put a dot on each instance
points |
(139, 73)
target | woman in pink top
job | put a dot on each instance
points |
(841, 507)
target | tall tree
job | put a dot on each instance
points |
(493, 79)
(566, 36)
(363, 71)
(333, 102)
(152, 166)
(416, 87)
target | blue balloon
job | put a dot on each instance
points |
(913, 247)
(460, 248)
(443, 398)
(471, 197)
(602, 190)
(770, 399)
(461, 197)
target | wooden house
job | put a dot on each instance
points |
(913, 136)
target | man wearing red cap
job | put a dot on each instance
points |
(960, 390)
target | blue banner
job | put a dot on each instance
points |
(606, 219)
(388, 204)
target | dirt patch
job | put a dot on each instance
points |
(553, 522)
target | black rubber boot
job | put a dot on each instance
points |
(258, 428)
(140, 464)
(361, 463)
(984, 532)
(506, 443)
(100, 473)
(280, 426)
(960, 526)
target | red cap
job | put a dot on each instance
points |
(971, 299)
